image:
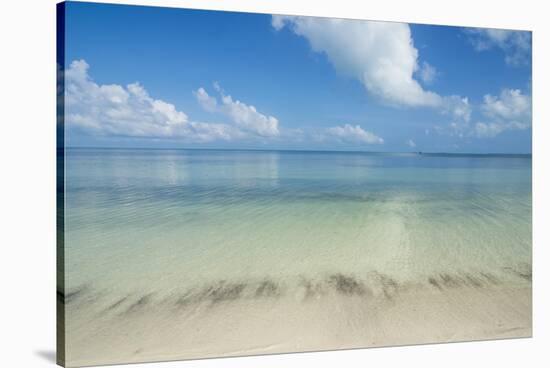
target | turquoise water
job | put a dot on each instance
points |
(157, 221)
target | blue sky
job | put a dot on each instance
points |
(163, 77)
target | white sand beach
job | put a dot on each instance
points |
(344, 316)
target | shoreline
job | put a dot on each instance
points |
(291, 323)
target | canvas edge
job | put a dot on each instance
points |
(60, 184)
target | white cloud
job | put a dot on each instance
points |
(353, 134)
(411, 143)
(427, 73)
(208, 132)
(458, 107)
(381, 55)
(515, 44)
(115, 110)
(509, 111)
(207, 102)
(244, 116)
(511, 104)
(279, 21)
(489, 130)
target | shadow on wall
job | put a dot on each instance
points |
(48, 355)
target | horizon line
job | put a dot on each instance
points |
(300, 150)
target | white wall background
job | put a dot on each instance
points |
(27, 180)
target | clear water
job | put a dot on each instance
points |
(173, 254)
(140, 221)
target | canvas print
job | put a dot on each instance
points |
(237, 184)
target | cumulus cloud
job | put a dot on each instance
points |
(112, 109)
(353, 134)
(427, 73)
(458, 107)
(515, 44)
(511, 104)
(242, 115)
(381, 55)
(115, 109)
(206, 101)
(491, 129)
(509, 111)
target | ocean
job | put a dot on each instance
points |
(178, 236)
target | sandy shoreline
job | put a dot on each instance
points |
(329, 320)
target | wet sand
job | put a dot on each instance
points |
(337, 312)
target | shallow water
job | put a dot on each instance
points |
(153, 227)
